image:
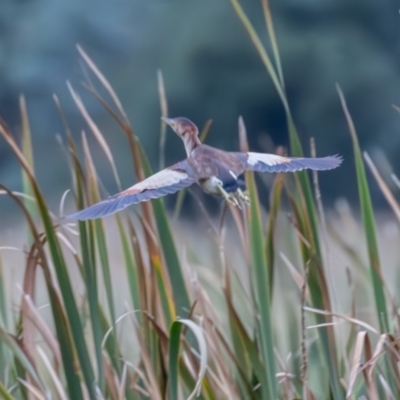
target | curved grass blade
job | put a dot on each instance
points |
(174, 346)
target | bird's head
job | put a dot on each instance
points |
(186, 130)
(182, 126)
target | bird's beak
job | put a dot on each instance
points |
(168, 121)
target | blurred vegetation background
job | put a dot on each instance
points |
(298, 304)
(211, 70)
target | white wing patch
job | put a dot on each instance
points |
(233, 174)
(166, 177)
(268, 159)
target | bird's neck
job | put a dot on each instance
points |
(191, 142)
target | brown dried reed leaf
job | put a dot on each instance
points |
(222, 377)
(151, 379)
(26, 136)
(62, 115)
(243, 143)
(32, 390)
(162, 94)
(122, 384)
(370, 363)
(164, 113)
(6, 133)
(103, 81)
(33, 314)
(205, 131)
(394, 353)
(110, 379)
(383, 186)
(362, 342)
(295, 221)
(90, 168)
(64, 239)
(29, 282)
(96, 132)
(298, 279)
(345, 317)
(19, 194)
(53, 374)
(162, 335)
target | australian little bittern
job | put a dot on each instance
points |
(215, 170)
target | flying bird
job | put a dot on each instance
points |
(216, 171)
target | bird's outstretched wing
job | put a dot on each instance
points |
(272, 163)
(167, 181)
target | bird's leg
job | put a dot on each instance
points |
(244, 196)
(229, 197)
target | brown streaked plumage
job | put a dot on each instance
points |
(216, 171)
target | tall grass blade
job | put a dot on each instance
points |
(95, 232)
(26, 148)
(62, 328)
(130, 267)
(319, 292)
(369, 223)
(271, 224)
(5, 394)
(308, 215)
(247, 353)
(4, 353)
(90, 277)
(274, 43)
(3, 296)
(260, 49)
(181, 301)
(262, 289)
(60, 267)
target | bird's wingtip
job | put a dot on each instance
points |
(338, 158)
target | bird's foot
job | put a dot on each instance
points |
(233, 200)
(229, 197)
(243, 196)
